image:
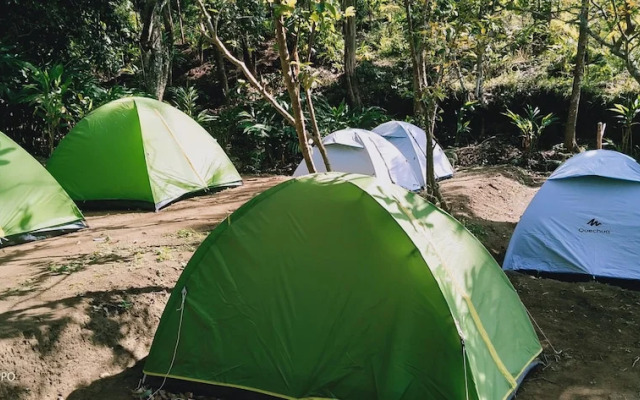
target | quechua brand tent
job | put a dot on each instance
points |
(32, 204)
(363, 152)
(139, 152)
(412, 143)
(583, 220)
(341, 286)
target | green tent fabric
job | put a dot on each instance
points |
(341, 286)
(32, 204)
(139, 151)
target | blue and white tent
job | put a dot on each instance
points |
(585, 219)
(412, 143)
(363, 152)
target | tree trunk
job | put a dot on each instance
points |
(317, 138)
(425, 106)
(168, 28)
(222, 72)
(578, 73)
(627, 140)
(247, 56)
(600, 135)
(479, 92)
(293, 88)
(182, 40)
(431, 177)
(156, 55)
(417, 104)
(465, 93)
(51, 136)
(201, 49)
(353, 95)
(213, 29)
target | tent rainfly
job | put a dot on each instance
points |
(363, 152)
(412, 143)
(583, 220)
(32, 204)
(139, 152)
(343, 286)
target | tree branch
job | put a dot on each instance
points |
(213, 38)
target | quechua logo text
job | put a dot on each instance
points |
(593, 227)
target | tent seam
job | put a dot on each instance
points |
(382, 158)
(231, 385)
(408, 132)
(472, 310)
(204, 183)
(144, 155)
(522, 371)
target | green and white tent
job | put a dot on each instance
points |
(141, 152)
(32, 204)
(343, 286)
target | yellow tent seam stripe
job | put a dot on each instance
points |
(204, 184)
(506, 396)
(251, 389)
(472, 309)
(485, 337)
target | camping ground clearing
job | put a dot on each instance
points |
(78, 312)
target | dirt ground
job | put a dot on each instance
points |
(78, 312)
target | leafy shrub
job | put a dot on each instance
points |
(332, 118)
(625, 115)
(259, 139)
(186, 100)
(531, 125)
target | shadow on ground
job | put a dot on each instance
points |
(115, 387)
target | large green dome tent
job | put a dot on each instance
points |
(343, 286)
(32, 204)
(139, 151)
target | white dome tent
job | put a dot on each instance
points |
(583, 220)
(363, 152)
(412, 142)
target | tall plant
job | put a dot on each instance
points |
(46, 93)
(429, 36)
(626, 114)
(186, 100)
(531, 125)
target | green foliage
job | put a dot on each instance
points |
(46, 94)
(274, 141)
(625, 114)
(163, 253)
(186, 100)
(188, 233)
(463, 124)
(332, 118)
(63, 63)
(13, 72)
(531, 125)
(98, 36)
(66, 269)
(478, 230)
(59, 97)
(258, 138)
